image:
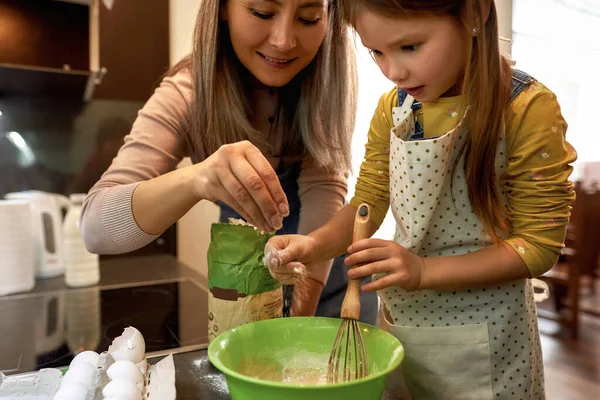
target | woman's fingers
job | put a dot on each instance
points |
(231, 202)
(251, 183)
(269, 177)
(246, 205)
(256, 189)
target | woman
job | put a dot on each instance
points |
(264, 106)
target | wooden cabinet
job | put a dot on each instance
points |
(92, 49)
(46, 34)
(65, 52)
(133, 38)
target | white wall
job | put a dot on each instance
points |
(557, 42)
(182, 18)
(193, 230)
(505, 10)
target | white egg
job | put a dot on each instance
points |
(122, 388)
(129, 346)
(127, 370)
(81, 373)
(71, 391)
(88, 356)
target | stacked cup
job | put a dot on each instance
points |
(17, 272)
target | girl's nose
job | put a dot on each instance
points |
(396, 72)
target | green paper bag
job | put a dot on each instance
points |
(241, 288)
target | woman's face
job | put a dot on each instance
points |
(276, 39)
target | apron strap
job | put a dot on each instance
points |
(520, 82)
(416, 105)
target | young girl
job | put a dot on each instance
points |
(249, 107)
(471, 155)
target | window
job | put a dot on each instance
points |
(556, 41)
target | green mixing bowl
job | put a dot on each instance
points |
(278, 348)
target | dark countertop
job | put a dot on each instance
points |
(123, 272)
(45, 327)
(197, 379)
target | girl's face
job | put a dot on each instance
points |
(276, 39)
(423, 55)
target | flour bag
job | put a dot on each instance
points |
(241, 288)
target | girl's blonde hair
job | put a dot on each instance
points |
(486, 84)
(317, 108)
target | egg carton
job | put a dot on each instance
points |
(112, 374)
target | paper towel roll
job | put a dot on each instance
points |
(17, 272)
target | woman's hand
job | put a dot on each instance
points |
(240, 176)
(372, 256)
(288, 255)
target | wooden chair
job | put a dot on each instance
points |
(580, 257)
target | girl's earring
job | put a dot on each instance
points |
(475, 31)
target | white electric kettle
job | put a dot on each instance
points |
(46, 222)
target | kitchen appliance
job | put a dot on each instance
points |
(46, 224)
(17, 272)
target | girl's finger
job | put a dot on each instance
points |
(380, 284)
(366, 244)
(369, 269)
(366, 256)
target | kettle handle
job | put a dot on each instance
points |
(62, 201)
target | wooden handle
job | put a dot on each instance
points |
(351, 303)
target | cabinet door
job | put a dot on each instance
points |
(133, 45)
(44, 34)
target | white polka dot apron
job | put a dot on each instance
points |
(473, 344)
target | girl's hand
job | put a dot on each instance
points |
(240, 176)
(288, 255)
(372, 256)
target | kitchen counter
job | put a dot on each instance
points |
(45, 327)
(166, 300)
(197, 379)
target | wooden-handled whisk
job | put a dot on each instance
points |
(348, 359)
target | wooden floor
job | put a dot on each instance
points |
(572, 368)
